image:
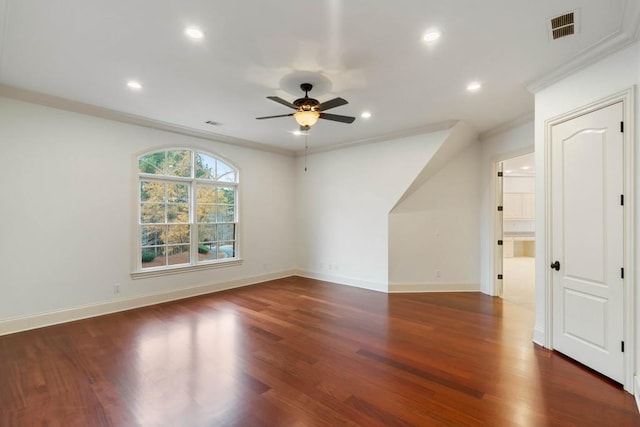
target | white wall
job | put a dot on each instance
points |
(68, 211)
(607, 77)
(504, 145)
(434, 233)
(344, 200)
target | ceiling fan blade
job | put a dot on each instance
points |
(282, 101)
(337, 118)
(332, 103)
(273, 117)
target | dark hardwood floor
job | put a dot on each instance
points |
(299, 352)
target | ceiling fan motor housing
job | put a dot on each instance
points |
(309, 110)
(306, 104)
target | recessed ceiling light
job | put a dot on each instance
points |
(365, 115)
(525, 168)
(431, 36)
(508, 171)
(194, 33)
(134, 85)
(474, 86)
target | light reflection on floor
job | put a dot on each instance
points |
(204, 352)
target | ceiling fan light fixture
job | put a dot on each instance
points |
(194, 33)
(431, 36)
(306, 118)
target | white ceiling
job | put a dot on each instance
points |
(369, 52)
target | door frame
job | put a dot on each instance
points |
(498, 232)
(629, 234)
(498, 263)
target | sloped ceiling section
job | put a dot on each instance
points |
(460, 137)
(370, 53)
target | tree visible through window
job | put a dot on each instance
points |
(188, 209)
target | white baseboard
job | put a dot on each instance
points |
(636, 390)
(40, 320)
(433, 287)
(539, 336)
(341, 280)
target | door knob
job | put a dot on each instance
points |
(556, 266)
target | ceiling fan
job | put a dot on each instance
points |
(309, 110)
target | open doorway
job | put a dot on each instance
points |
(518, 227)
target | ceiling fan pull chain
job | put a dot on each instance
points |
(306, 149)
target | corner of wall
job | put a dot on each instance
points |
(539, 336)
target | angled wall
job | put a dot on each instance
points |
(344, 200)
(434, 228)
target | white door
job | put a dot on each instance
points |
(587, 242)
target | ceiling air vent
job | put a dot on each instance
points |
(563, 25)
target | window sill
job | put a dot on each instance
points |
(143, 274)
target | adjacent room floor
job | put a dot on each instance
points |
(519, 281)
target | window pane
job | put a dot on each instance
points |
(178, 163)
(178, 213)
(179, 255)
(177, 193)
(151, 191)
(206, 252)
(227, 250)
(152, 163)
(206, 196)
(151, 213)
(225, 172)
(206, 213)
(226, 232)
(206, 193)
(226, 214)
(153, 257)
(205, 166)
(227, 195)
(178, 234)
(153, 235)
(206, 233)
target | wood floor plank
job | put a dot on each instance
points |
(301, 352)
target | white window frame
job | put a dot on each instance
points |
(194, 264)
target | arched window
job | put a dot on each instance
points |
(188, 210)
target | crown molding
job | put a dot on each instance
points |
(628, 32)
(404, 133)
(106, 113)
(507, 126)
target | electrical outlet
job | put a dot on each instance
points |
(116, 288)
(438, 273)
